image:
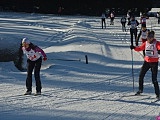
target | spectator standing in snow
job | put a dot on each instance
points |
(143, 34)
(123, 22)
(151, 47)
(103, 20)
(133, 28)
(34, 60)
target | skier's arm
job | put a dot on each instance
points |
(41, 51)
(137, 22)
(158, 45)
(140, 48)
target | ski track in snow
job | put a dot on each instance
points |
(75, 90)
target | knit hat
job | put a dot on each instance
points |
(25, 40)
(151, 34)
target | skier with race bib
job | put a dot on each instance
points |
(112, 18)
(151, 47)
(103, 20)
(143, 20)
(133, 23)
(34, 60)
(143, 34)
(123, 22)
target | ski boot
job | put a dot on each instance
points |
(139, 92)
(28, 93)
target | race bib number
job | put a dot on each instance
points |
(149, 53)
(133, 26)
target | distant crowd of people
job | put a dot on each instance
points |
(132, 22)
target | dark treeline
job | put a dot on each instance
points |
(84, 7)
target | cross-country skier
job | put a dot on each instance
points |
(151, 47)
(143, 34)
(158, 17)
(123, 22)
(34, 60)
(112, 18)
(103, 20)
(133, 28)
(129, 14)
(143, 20)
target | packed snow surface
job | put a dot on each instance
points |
(72, 89)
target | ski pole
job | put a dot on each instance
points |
(132, 69)
(65, 59)
(61, 59)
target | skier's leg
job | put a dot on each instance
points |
(37, 74)
(154, 70)
(144, 69)
(102, 23)
(135, 35)
(105, 23)
(113, 22)
(125, 27)
(30, 66)
(131, 33)
(122, 27)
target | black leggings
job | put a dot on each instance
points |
(133, 32)
(103, 20)
(36, 65)
(154, 69)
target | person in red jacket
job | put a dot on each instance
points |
(151, 47)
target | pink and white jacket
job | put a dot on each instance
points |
(33, 54)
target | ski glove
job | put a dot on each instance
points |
(45, 58)
(132, 47)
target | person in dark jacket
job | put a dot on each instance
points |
(151, 47)
(133, 23)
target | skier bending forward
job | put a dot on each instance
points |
(34, 60)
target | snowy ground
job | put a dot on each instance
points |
(74, 90)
